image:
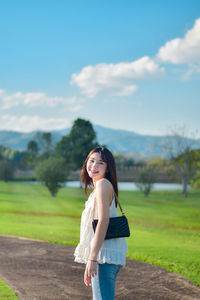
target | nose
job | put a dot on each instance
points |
(94, 164)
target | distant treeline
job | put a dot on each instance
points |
(74, 147)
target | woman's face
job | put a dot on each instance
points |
(96, 167)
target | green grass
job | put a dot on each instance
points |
(165, 227)
(6, 293)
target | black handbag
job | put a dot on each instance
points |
(118, 226)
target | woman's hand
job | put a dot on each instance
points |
(90, 271)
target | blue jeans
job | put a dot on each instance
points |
(103, 284)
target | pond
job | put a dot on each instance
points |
(130, 186)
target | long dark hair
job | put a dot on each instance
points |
(110, 174)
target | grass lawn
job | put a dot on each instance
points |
(165, 227)
(6, 293)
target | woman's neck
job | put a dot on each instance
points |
(95, 181)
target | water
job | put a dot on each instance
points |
(130, 186)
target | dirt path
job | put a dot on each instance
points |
(38, 270)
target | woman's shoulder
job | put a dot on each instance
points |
(105, 186)
(104, 182)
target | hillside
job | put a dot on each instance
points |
(122, 141)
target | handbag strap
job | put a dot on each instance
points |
(122, 211)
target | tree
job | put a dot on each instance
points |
(16, 157)
(2, 149)
(195, 182)
(179, 148)
(76, 146)
(64, 148)
(19, 159)
(163, 166)
(53, 173)
(145, 180)
(32, 148)
(83, 139)
(123, 162)
(6, 170)
(32, 152)
(45, 143)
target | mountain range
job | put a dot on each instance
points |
(122, 141)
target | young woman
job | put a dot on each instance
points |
(103, 258)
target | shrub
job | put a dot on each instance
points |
(195, 182)
(145, 180)
(6, 170)
(53, 173)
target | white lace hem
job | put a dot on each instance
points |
(110, 256)
(81, 254)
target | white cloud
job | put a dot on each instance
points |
(116, 79)
(194, 69)
(126, 90)
(8, 101)
(184, 50)
(75, 108)
(27, 123)
(37, 100)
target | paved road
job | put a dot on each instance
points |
(37, 270)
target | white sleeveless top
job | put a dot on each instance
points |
(113, 251)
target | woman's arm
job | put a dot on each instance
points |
(104, 194)
(103, 199)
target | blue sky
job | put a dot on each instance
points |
(131, 65)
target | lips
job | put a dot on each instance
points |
(93, 172)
